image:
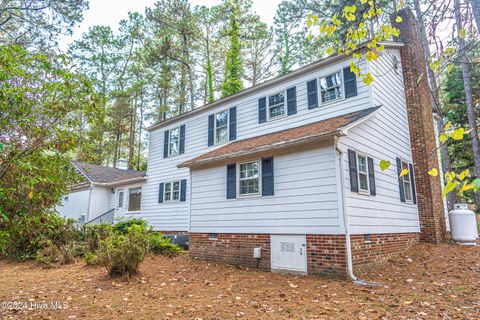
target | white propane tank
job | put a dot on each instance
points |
(463, 225)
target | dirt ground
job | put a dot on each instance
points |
(427, 282)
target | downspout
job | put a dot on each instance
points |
(345, 220)
(89, 201)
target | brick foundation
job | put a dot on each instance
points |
(326, 254)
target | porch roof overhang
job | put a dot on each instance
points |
(298, 136)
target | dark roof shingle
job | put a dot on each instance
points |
(318, 129)
(102, 174)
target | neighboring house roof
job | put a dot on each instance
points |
(107, 175)
(284, 138)
(272, 82)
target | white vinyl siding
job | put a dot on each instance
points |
(385, 136)
(305, 199)
(175, 217)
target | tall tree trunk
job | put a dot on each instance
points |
(471, 113)
(116, 148)
(140, 124)
(447, 165)
(131, 138)
(80, 132)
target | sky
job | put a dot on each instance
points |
(110, 12)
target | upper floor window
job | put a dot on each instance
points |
(174, 142)
(407, 184)
(221, 127)
(134, 198)
(249, 178)
(172, 191)
(276, 105)
(362, 173)
(331, 87)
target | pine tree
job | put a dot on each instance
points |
(234, 64)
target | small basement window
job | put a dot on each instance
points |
(134, 199)
(249, 178)
(212, 236)
(362, 169)
(331, 87)
(276, 105)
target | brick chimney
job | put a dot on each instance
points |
(422, 134)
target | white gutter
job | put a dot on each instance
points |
(116, 183)
(345, 220)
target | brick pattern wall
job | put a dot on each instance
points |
(326, 254)
(422, 135)
(235, 249)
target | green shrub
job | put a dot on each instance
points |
(161, 246)
(122, 226)
(91, 258)
(121, 253)
(94, 234)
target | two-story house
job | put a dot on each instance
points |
(285, 175)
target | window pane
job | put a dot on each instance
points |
(222, 118)
(276, 99)
(222, 134)
(249, 186)
(362, 164)
(176, 195)
(363, 181)
(168, 195)
(134, 199)
(176, 186)
(407, 176)
(408, 191)
(276, 105)
(174, 141)
(168, 186)
(120, 199)
(278, 110)
(331, 87)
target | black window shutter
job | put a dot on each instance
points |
(267, 177)
(165, 144)
(160, 192)
(312, 94)
(350, 82)
(211, 120)
(400, 180)
(183, 190)
(262, 110)
(352, 164)
(371, 176)
(412, 182)
(291, 100)
(233, 123)
(231, 181)
(182, 139)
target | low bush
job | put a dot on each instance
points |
(121, 253)
(122, 226)
(91, 258)
(53, 254)
(163, 246)
(94, 234)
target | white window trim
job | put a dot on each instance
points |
(319, 93)
(250, 195)
(128, 200)
(284, 105)
(362, 191)
(119, 191)
(215, 142)
(170, 141)
(410, 182)
(171, 192)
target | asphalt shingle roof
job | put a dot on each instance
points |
(253, 145)
(102, 174)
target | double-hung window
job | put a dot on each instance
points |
(174, 142)
(221, 127)
(249, 178)
(407, 184)
(276, 105)
(331, 87)
(134, 198)
(120, 198)
(172, 191)
(362, 174)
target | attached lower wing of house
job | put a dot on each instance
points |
(277, 175)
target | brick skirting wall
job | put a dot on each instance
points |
(326, 254)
